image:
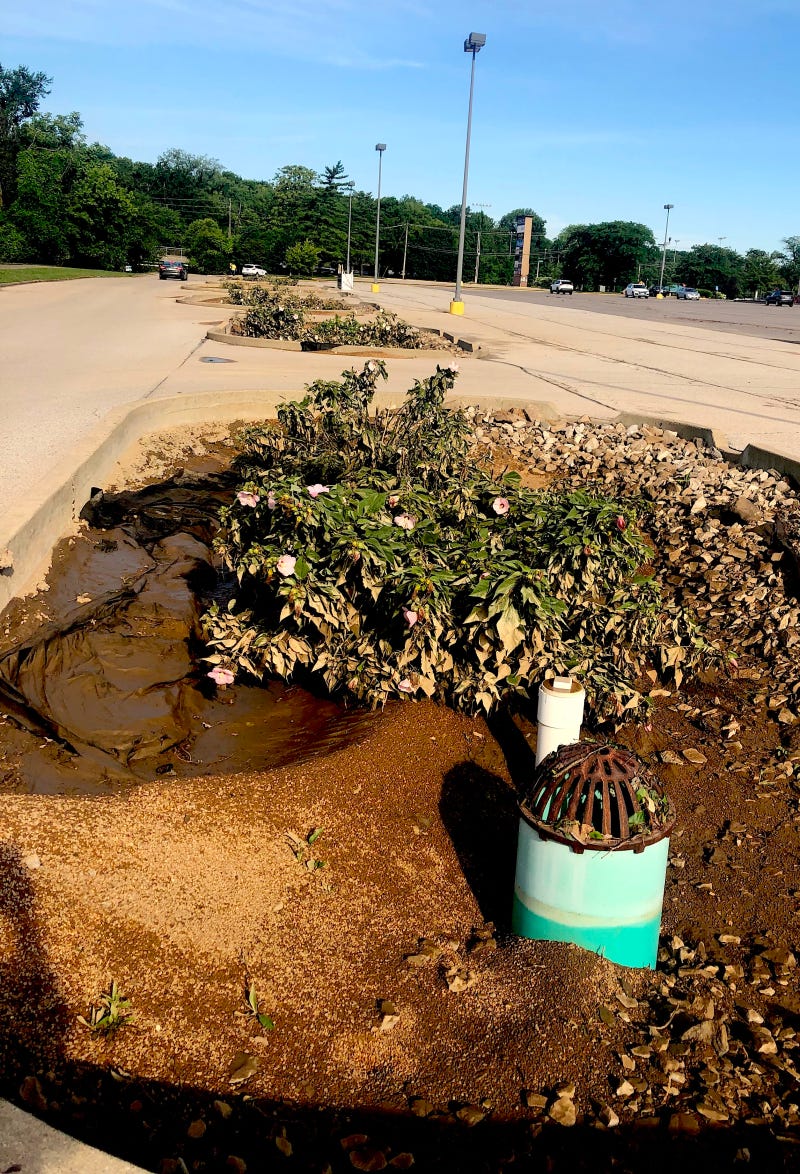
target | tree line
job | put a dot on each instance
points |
(64, 200)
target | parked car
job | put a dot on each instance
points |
(172, 267)
(688, 294)
(779, 297)
(655, 290)
(253, 271)
(562, 285)
(636, 289)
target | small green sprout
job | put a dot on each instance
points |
(111, 1011)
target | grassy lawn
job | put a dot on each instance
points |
(16, 274)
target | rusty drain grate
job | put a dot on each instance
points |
(592, 795)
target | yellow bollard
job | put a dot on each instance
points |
(456, 307)
(375, 287)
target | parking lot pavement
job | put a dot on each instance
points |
(73, 351)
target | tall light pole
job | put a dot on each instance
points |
(667, 208)
(473, 44)
(380, 148)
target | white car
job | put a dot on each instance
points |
(253, 271)
(562, 285)
(637, 289)
(688, 294)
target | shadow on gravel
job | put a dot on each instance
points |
(32, 1011)
(479, 811)
(169, 1129)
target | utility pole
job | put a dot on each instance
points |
(477, 256)
(405, 253)
(229, 219)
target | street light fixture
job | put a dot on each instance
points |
(380, 148)
(667, 208)
(473, 44)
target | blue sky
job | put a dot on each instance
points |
(585, 110)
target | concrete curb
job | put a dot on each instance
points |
(30, 531)
(393, 352)
(29, 1145)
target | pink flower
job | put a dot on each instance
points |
(221, 676)
(393, 500)
(286, 564)
(500, 505)
(271, 502)
(316, 490)
(410, 616)
(405, 521)
(405, 686)
(621, 524)
(245, 498)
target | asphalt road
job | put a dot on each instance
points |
(779, 323)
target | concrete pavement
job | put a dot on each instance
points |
(31, 1147)
(70, 352)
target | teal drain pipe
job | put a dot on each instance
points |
(592, 854)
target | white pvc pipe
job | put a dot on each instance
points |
(560, 713)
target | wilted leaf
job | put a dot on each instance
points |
(368, 1158)
(243, 1067)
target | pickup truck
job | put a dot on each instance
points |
(562, 285)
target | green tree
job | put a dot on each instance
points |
(208, 247)
(152, 226)
(711, 267)
(40, 210)
(790, 261)
(335, 178)
(21, 93)
(53, 132)
(760, 272)
(13, 246)
(608, 254)
(100, 215)
(302, 257)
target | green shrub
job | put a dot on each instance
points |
(370, 549)
(303, 257)
(269, 315)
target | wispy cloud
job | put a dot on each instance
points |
(336, 33)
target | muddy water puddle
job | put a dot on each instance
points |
(102, 681)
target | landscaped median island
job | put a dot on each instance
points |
(370, 548)
(272, 313)
(215, 966)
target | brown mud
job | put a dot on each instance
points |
(101, 677)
